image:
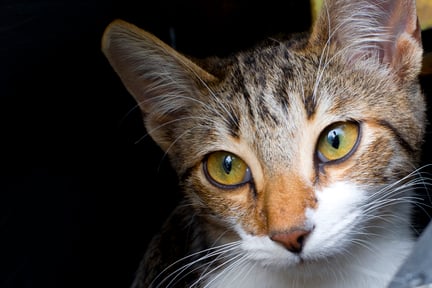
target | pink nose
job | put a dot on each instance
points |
(293, 240)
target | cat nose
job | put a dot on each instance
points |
(293, 240)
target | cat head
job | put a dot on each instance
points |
(298, 142)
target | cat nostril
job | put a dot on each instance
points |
(293, 240)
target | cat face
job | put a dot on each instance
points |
(300, 167)
(298, 149)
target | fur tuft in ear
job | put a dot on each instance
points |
(385, 32)
(160, 79)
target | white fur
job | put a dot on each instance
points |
(344, 250)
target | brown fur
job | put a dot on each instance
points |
(269, 105)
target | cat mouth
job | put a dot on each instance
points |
(299, 259)
(301, 262)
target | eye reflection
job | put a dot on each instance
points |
(337, 141)
(226, 169)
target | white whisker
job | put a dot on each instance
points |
(179, 273)
(236, 262)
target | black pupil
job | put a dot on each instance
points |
(227, 164)
(333, 138)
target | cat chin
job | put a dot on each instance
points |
(266, 264)
(266, 253)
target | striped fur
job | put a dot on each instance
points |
(299, 221)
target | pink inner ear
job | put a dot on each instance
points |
(402, 20)
(383, 31)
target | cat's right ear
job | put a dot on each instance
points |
(162, 81)
(384, 32)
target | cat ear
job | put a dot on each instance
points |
(161, 80)
(383, 31)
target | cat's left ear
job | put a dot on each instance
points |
(386, 31)
(147, 66)
(164, 83)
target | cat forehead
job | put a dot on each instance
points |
(280, 95)
(287, 80)
(274, 61)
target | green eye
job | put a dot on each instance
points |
(226, 169)
(337, 141)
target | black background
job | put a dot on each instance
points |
(81, 189)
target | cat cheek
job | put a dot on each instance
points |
(337, 214)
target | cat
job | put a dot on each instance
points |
(297, 157)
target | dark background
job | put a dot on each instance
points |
(77, 205)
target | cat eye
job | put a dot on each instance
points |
(337, 141)
(226, 170)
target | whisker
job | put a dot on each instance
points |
(231, 261)
(238, 260)
(209, 252)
